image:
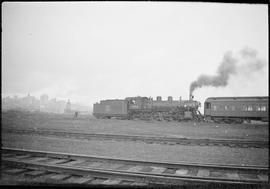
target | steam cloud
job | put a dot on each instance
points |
(229, 67)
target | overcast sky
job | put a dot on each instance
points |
(91, 51)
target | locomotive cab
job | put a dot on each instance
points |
(137, 103)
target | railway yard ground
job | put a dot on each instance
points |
(88, 124)
(50, 132)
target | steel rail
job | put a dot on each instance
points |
(135, 161)
(161, 177)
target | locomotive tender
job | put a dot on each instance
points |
(236, 109)
(147, 109)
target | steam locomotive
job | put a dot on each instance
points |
(144, 108)
(216, 109)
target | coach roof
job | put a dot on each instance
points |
(245, 98)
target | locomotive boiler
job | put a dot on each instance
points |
(144, 108)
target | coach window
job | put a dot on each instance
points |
(215, 108)
(233, 108)
(249, 108)
(263, 108)
(208, 105)
(226, 107)
(257, 108)
(244, 108)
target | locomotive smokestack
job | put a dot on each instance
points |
(191, 96)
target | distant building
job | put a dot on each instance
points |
(43, 104)
(44, 98)
(68, 107)
(61, 106)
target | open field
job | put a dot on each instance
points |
(140, 151)
(88, 124)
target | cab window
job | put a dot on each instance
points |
(132, 102)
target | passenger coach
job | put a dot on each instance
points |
(236, 109)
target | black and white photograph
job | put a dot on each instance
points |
(143, 94)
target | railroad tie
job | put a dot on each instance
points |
(79, 180)
(71, 163)
(93, 164)
(203, 173)
(43, 177)
(135, 168)
(263, 177)
(35, 173)
(12, 158)
(139, 184)
(233, 175)
(23, 156)
(15, 171)
(59, 176)
(157, 170)
(98, 181)
(7, 155)
(181, 172)
(57, 161)
(110, 166)
(112, 181)
(37, 159)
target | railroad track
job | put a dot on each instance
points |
(147, 139)
(62, 168)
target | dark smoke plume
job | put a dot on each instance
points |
(227, 68)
